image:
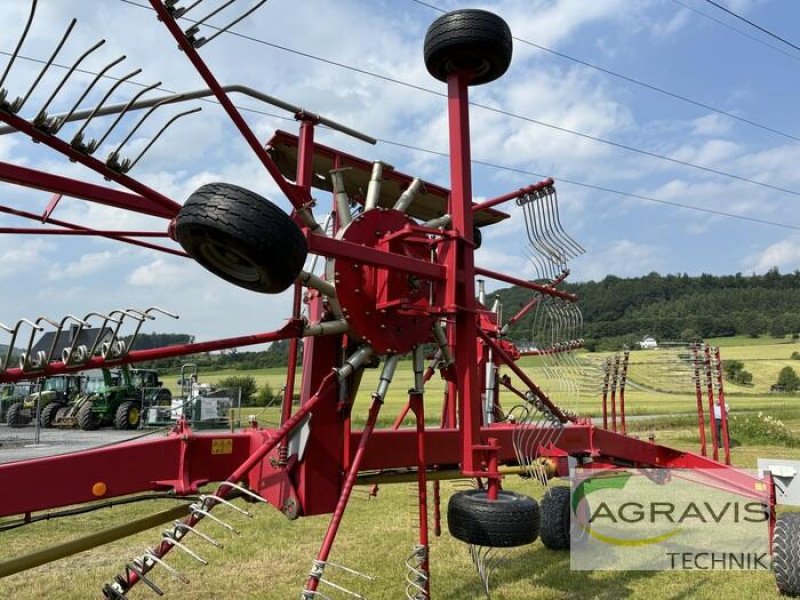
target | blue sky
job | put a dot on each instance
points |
(660, 42)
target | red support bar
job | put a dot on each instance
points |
(544, 289)
(710, 390)
(347, 488)
(79, 229)
(417, 405)
(48, 182)
(698, 392)
(535, 300)
(623, 379)
(293, 328)
(327, 246)
(97, 232)
(513, 195)
(614, 374)
(726, 443)
(504, 358)
(606, 377)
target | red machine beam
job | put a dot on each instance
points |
(327, 246)
(182, 459)
(544, 289)
(294, 328)
(513, 195)
(98, 232)
(48, 182)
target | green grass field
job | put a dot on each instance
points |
(271, 557)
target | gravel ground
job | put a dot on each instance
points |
(18, 444)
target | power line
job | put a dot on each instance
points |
(756, 25)
(510, 114)
(739, 31)
(639, 82)
(474, 161)
(600, 188)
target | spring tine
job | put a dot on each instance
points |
(159, 310)
(81, 324)
(126, 109)
(190, 33)
(187, 527)
(17, 105)
(196, 508)
(56, 126)
(150, 555)
(112, 158)
(77, 139)
(547, 206)
(203, 41)
(578, 248)
(41, 118)
(547, 228)
(243, 490)
(169, 538)
(128, 167)
(140, 572)
(177, 13)
(540, 220)
(19, 43)
(220, 500)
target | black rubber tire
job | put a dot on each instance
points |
(786, 554)
(127, 411)
(87, 420)
(511, 520)
(14, 416)
(477, 237)
(241, 237)
(555, 531)
(468, 40)
(48, 414)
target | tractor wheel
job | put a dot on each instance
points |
(87, 420)
(786, 554)
(241, 237)
(128, 415)
(511, 520)
(468, 40)
(15, 416)
(48, 414)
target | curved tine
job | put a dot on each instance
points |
(158, 135)
(43, 111)
(19, 103)
(530, 226)
(149, 112)
(125, 110)
(553, 233)
(214, 12)
(149, 553)
(188, 528)
(182, 12)
(158, 309)
(543, 246)
(243, 490)
(580, 249)
(220, 500)
(4, 361)
(19, 43)
(100, 331)
(79, 134)
(221, 30)
(34, 328)
(81, 324)
(555, 251)
(62, 120)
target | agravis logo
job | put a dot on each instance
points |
(584, 517)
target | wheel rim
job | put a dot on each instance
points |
(133, 416)
(230, 261)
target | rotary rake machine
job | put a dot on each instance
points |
(399, 277)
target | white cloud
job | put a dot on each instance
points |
(622, 258)
(784, 255)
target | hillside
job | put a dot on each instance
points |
(676, 307)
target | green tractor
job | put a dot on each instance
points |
(10, 394)
(55, 392)
(113, 397)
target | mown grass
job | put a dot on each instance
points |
(271, 557)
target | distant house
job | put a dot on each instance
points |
(648, 343)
